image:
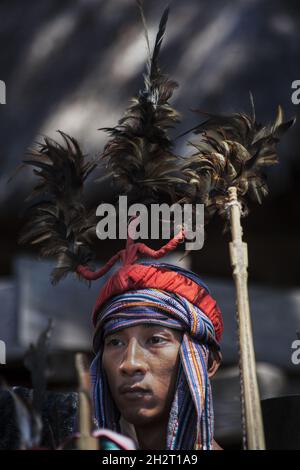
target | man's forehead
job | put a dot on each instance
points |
(142, 327)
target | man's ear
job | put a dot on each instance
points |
(213, 366)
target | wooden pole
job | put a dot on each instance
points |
(253, 431)
(86, 441)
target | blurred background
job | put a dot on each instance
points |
(73, 66)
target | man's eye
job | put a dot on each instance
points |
(114, 342)
(156, 340)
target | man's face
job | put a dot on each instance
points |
(141, 365)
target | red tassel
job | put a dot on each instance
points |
(131, 253)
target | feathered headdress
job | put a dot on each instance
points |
(138, 157)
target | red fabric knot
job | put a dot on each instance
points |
(130, 254)
(133, 276)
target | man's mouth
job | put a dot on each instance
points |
(133, 392)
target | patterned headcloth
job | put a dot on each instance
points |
(191, 417)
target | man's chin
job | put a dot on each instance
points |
(141, 417)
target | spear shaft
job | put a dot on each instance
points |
(85, 441)
(251, 410)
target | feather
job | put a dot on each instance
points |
(35, 361)
(28, 421)
(233, 149)
(59, 223)
(139, 155)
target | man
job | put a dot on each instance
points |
(144, 373)
(156, 344)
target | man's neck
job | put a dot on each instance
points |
(152, 437)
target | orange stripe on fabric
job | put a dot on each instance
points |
(198, 439)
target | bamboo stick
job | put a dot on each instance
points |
(86, 441)
(251, 408)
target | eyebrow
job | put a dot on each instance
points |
(146, 326)
(149, 325)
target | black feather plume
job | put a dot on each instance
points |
(233, 150)
(139, 155)
(35, 361)
(28, 420)
(59, 222)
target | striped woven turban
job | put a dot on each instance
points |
(191, 419)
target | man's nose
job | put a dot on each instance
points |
(134, 359)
